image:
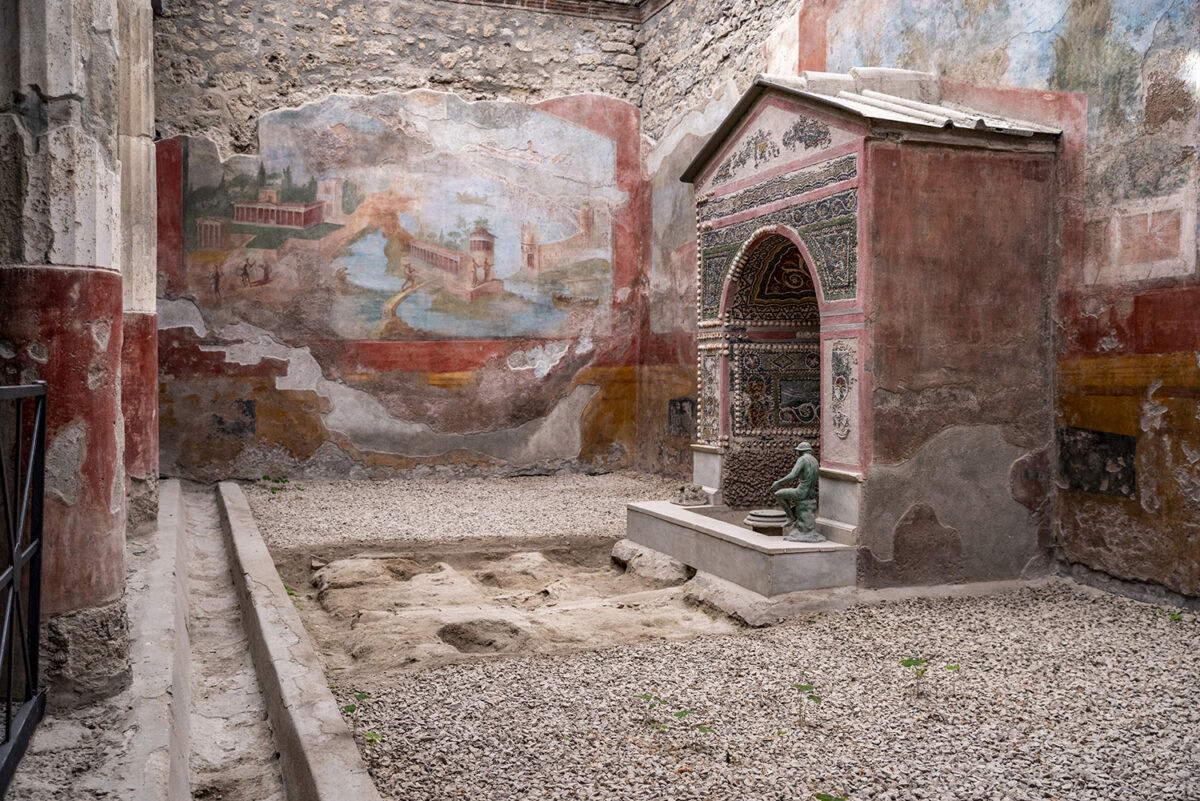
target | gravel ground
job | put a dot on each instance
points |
(307, 513)
(1061, 693)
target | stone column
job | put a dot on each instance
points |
(139, 357)
(61, 320)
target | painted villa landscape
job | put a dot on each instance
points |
(407, 217)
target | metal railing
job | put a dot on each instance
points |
(22, 478)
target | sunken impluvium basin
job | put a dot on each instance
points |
(380, 611)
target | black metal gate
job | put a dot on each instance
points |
(22, 474)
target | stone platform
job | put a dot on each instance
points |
(707, 539)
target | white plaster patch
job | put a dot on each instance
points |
(584, 345)
(540, 359)
(1152, 411)
(180, 314)
(101, 331)
(64, 463)
(1189, 72)
(699, 122)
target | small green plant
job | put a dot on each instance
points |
(1175, 616)
(361, 696)
(372, 738)
(808, 695)
(348, 708)
(291, 591)
(828, 797)
(919, 668)
(676, 715)
(952, 668)
(278, 483)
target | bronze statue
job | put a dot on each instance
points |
(800, 503)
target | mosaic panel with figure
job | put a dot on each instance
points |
(776, 388)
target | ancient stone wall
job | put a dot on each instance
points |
(1119, 77)
(691, 50)
(220, 64)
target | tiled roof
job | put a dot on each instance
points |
(877, 95)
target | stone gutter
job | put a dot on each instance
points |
(160, 656)
(318, 757)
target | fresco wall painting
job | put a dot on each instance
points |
(452, 261)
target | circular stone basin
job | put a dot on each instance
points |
(766, 521)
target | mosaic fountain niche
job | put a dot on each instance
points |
(849, 242)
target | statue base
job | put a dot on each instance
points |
(793, 534)
(767, 521)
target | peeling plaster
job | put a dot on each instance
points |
(366, 423)
(963, 474)
(1152, 411)
(64, 463)
(541, 359)
(180, 314)
(101, 331)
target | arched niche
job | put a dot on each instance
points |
(761, 366)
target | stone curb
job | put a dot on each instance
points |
(160, 653)
(319, 759)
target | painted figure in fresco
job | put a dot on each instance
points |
(244, 273)
(216, 280)
(410, 275)
(800, 502)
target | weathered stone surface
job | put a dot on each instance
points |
(218, 68)
(85, 654)
(690, 49)
(649, 563)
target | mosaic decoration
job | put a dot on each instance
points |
(806, 133)
(782, 186)
(776, 388)
(708, 428)
(749, 468)
(842, 381)
(773, 287)
(759, 147)
(828, 227)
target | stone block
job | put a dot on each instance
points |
(706, 466)
(649, 563)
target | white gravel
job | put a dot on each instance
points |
(303, 513)
(1062, 693)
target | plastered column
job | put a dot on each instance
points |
(61, 319)
(139, 356)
